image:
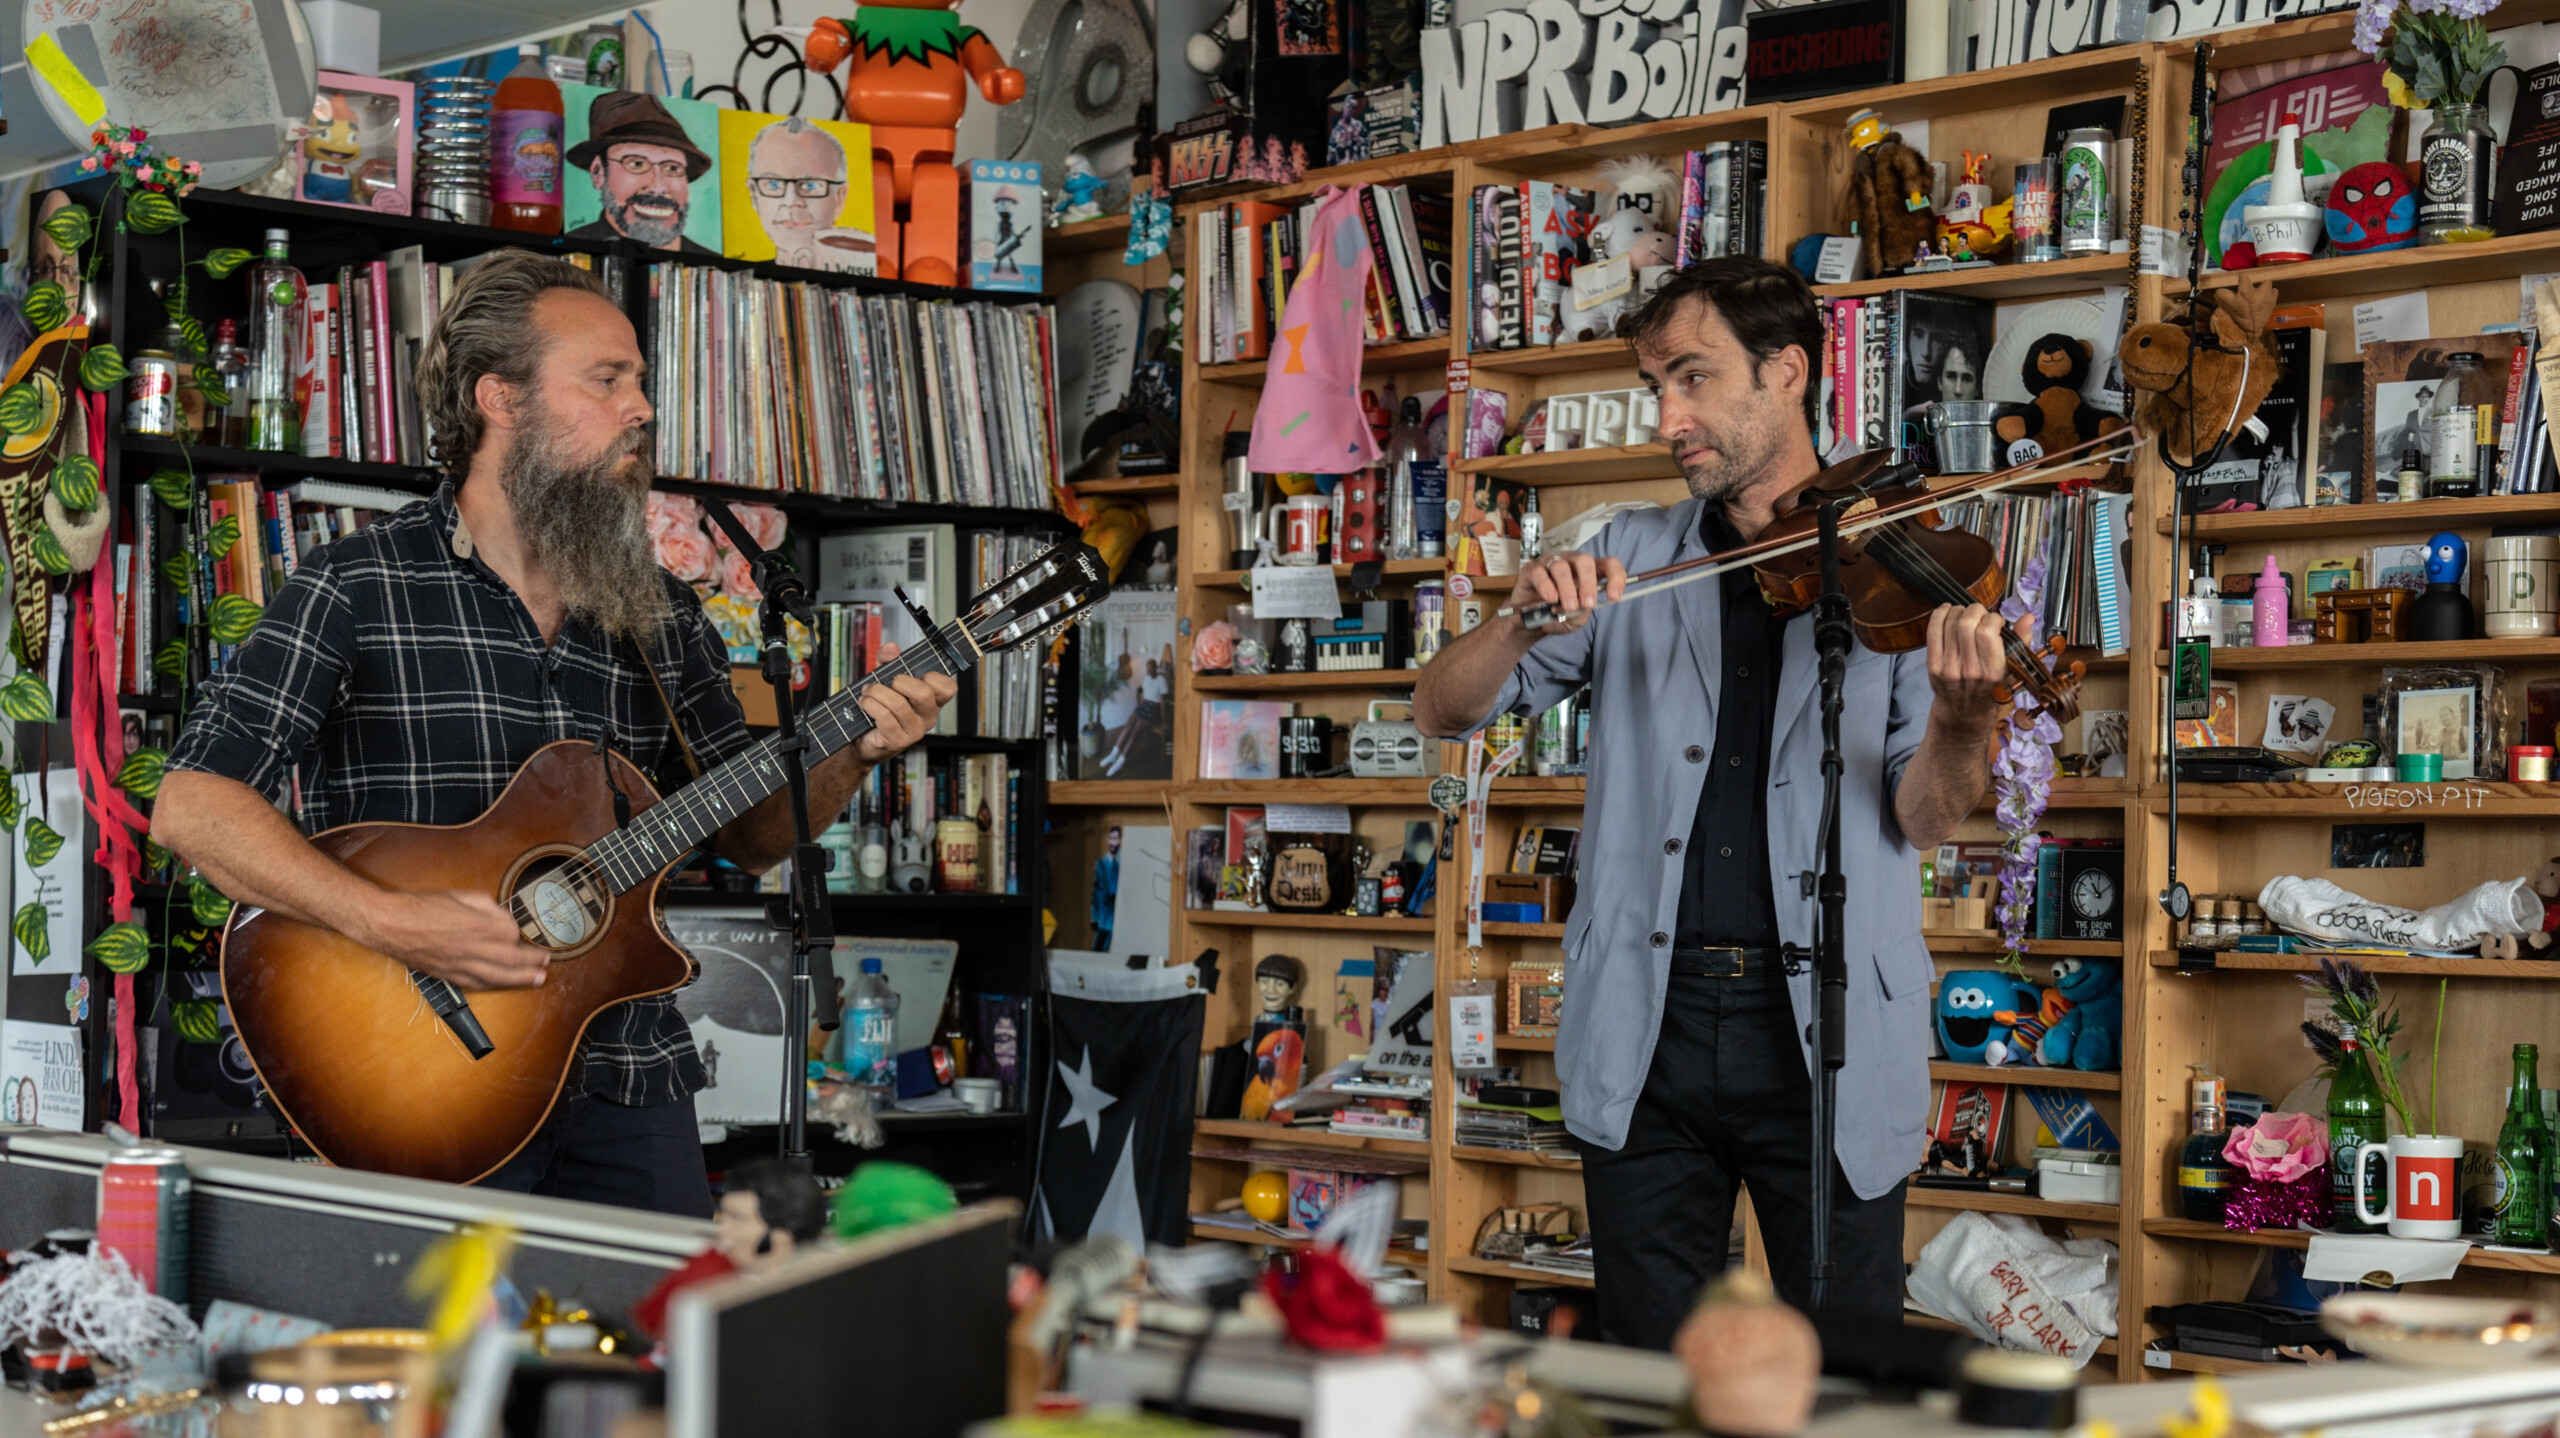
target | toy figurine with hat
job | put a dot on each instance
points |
(912, 61)
(1887, 203)
(633, 151)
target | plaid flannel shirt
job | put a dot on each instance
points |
(404, 682)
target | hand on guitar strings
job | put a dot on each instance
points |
(1574, 582)
(902, 709)
(1967, 664)
(464, 938)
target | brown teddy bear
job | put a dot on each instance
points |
(2057, 418)
(2190, 413)
(1887, 203)
(2512, 946)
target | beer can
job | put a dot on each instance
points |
(2031, 216)
(2087, 203)
(1430, 619)
(151, 394)
(144, 1201)
(1550, 747)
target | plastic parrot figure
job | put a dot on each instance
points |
(912, 63)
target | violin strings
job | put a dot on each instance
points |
(1858, 526)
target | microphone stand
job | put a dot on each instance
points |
(804, 911)
(1833, 633)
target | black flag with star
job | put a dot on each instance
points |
(1115, 1152)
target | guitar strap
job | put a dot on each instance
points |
(692, 765)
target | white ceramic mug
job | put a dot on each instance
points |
(2519, 596)
(2426, 1186)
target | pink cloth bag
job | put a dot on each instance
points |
(1309, 420)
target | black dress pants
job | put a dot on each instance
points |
(1726, 1104)
(598, 1151)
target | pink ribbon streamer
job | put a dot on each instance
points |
(97, 741)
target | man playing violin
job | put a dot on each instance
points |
(1683, 1055)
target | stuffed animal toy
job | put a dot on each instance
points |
(2057, 417)
(1968, 999)
(1887, 202)
(2190, 412)
(2372, 207)
(1649, 250)
(2512, 946)
(2089, 1033)
(2026, 1029)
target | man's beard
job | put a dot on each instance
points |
(585, 524)
(656, 231)
(1738, 458)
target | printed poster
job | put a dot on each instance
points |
(642, 167)
(40, 1075)
(797, 191)
(50, 816)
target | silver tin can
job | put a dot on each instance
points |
(2087, 199)
(151, 394)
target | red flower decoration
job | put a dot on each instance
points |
(1326, 1306)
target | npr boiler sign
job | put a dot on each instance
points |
(1574, 62)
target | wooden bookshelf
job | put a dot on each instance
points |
(2419, 516)
(2006, 281)
(2448, 651)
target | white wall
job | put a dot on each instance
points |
(709, 29)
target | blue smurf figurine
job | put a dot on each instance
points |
(2443, 611)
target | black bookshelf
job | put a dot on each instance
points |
(1000, 935)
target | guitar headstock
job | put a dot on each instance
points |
(1039, 596)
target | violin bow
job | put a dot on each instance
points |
(2122, 444)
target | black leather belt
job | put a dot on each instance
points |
(1723, 963)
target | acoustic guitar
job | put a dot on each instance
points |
(380, 1067)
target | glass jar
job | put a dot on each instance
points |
(2462, 422)
(2457, 163)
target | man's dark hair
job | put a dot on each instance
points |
(1767, 304)
(787, 1198)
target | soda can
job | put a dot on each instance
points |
(2087, 203)
(2031, 217)
(1430, 619)
(151, 394)
(144, 1201)
(1549, 748)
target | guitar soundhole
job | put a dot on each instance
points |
(558, 903)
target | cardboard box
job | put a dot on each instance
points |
(1002, 224)
(1553, 893)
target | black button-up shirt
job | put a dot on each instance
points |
(1724, 895)
(404, 682)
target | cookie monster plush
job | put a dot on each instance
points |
(2089, 1033)
(1967, 999)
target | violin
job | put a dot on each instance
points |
(1896, 565)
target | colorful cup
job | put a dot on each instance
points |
(2425, 1192)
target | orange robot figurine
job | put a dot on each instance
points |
(912, 61)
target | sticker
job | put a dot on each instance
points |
(2025, 451)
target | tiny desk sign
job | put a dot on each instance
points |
(2528, 195)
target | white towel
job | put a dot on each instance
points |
(1999, 1276)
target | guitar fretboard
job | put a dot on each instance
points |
(633, 854)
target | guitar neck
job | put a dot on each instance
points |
(673, 828)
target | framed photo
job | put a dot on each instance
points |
(359, 150)
(2440, 721)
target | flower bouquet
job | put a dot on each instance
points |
(2440, 58)
(2284, 1160)
(694, 549)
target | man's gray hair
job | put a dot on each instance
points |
(487, 328)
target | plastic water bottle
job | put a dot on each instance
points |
(1404, 446)
(871, 1030)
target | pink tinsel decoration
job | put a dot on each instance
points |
(2257, 1203)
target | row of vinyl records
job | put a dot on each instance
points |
(2080, 544)
(1530, 238)
(1250, 253)
(804, 388)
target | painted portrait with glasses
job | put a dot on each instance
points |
(644, 168)
(798, 192)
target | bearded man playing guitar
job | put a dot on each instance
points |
(406, 672)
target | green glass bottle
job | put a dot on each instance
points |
(2524, 1146)
(2356, 1120)
(2205, 1177)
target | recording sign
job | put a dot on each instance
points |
(2528, 196)
(1797, 51)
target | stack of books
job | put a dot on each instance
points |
(814, 390)
(1384, 1107)
(1724, 191)
(1565, 1253)
(1250, 253)
(1528, 240)
(1521, 1130)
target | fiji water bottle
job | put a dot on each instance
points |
(871, 1030)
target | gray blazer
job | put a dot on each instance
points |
(1654, 667)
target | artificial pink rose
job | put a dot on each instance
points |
(2279, 1147)
(738, 578)
(763, 522)
(672, 511)
(685, 554)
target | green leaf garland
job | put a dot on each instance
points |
(121, 948)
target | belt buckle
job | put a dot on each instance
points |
(1720, 963)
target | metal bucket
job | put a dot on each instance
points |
(1961, 432)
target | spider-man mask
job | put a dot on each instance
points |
(2372, 207)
